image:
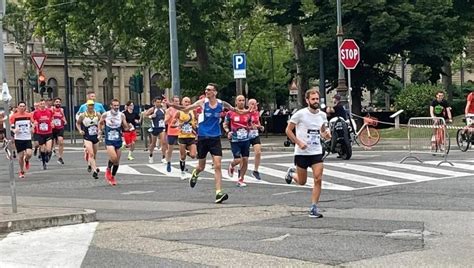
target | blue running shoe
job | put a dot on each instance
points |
(168, 166)
(289, 175)
(314, 212)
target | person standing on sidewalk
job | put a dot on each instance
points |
(254, 136)
(113, 122)
(172, 132)
(59, 121)
(88, 126)
(157, 116)
(21, 123)
(133, 121)
(43, 121)
(187, 135)
(209, 136)
(311, 126)
(237, 128)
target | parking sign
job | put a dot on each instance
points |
(239, 63)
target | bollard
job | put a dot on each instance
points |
(397, 118)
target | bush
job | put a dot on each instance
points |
(415, 99)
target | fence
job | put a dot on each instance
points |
(428, 135)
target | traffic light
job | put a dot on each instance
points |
(136, 83)
(42, 83)
(131, 83)
(33, 82)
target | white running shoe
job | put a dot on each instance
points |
(150, 159)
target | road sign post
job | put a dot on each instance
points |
(239, 64)
(349, 55)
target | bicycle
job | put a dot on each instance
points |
(465, 136)
(440, 140)
(368, 135)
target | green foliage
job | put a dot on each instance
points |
(415, 99)
(420, 74)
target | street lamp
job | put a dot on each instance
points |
(341, 81)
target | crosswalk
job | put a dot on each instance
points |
(338, 176)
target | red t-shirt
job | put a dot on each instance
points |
(58, 118)
(44, 121)
(470, 98)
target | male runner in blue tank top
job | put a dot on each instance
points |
(209, 136)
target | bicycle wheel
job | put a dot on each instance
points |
(369, 136)
(463, 140)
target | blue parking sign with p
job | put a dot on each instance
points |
(239, 61)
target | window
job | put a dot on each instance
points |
(108, 92)
(81, 91)
(155, 90)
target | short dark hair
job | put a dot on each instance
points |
(114, 100)
(21, 102)
(129, 102)
(58, 98)
(213, 85)
(156, 98)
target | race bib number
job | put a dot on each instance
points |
(161, 123)
(23, 129)
(92, 130)
(313, 139)
(253, 133)
(187, 128)
(43, 127)
(113, 135)
(57, 122)
(242, 134)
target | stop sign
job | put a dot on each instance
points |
(349, 53)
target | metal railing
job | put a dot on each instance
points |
(429, 136)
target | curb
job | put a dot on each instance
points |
(60, 219)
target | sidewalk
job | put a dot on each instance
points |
(275, 143)
(29, 218)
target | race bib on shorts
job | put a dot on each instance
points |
(113, 135)
(43, 127)
(92, 130)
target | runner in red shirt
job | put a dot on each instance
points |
(254, 136)
(59, 121)
(43, 122)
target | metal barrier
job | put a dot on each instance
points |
(428, 135)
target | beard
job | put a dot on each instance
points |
(314, 106)
(58, 105)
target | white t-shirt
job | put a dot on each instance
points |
(308, 126)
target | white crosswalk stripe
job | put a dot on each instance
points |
(340, 176)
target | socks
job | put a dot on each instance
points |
(182, 164)
(43, 157)
(114, 169)
(109, 164)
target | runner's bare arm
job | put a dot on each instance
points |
(289, 132)
(125, 125)
(187, 108)
(79, 124)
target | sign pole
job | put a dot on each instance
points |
(349, 91)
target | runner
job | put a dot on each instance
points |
(133, 121)
(59, 121)
(172, 132)
(237, 128)
(311, 125)
(34, 139)
(98, 107)
(114, 122)
(209, 136)
(88, 126)
(21, 123)
(187, 135)
(43, 121)
(254, 136)
(157, 116)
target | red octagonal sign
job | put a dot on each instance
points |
(349, 53)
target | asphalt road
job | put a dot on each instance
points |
(377, 212)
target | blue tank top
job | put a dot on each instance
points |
(159, 120)
(209, 120)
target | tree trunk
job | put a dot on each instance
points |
(201, 52)
(299, 50)
(110, 80)
(447, 80)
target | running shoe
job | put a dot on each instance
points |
(168, 166)
(130, 157)
(95, 175)
(89, 169)
(60, 161)
(221, 197)
(256, 175)
(183, 175)
(108, 176)
(21, 175)
(150, 159)
(230, 170)
(193, 179)
(314, 212)
(163, 160)
(241, 183)
(289, 175)
(113, 181)
(27, 165)
(44, 166)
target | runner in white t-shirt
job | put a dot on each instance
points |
(311, 126)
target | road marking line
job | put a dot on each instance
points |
(64, 246)
(126, 169)
(379, 171)
(290, 192)
(138, 192)
(422, 169)
(276, 239)
(456, 165)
